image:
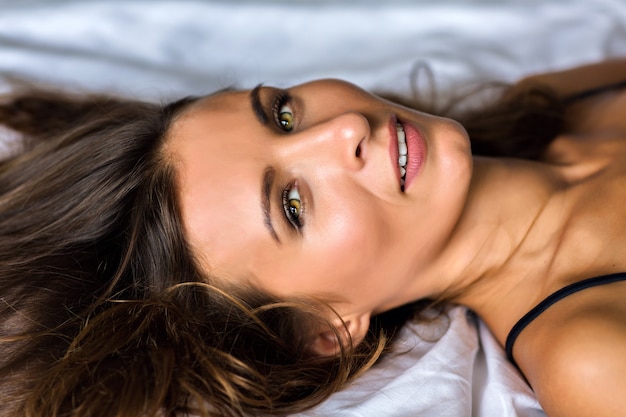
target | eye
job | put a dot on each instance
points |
(283, 114)
(285, 117)
(292, 205)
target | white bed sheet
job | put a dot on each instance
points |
(162, 49)
(462, 372)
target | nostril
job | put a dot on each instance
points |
(360, 153)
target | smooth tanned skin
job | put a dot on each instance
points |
(506, 233)
(574, 354)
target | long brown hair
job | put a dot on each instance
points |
(103, 310)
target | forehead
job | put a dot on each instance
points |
(217, 122)
(215, 149)
(222, 100)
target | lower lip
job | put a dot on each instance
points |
(416, 150)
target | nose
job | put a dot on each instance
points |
(342, 139)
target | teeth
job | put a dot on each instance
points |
(401, 135)
(402, 151)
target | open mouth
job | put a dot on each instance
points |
(402, 153)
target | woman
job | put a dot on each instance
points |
(250, 249)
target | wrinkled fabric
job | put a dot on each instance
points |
(452, 367)
(160, 49)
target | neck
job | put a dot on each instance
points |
(506, 239)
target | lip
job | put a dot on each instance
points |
(416, 151)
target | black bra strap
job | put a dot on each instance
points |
(553, 298)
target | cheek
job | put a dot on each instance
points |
(352, 220)
(349, 242)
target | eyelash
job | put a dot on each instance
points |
(282, 99)
(296, 221)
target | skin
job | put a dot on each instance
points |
(497, 235)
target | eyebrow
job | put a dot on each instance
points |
(257, 107)
(266, 191)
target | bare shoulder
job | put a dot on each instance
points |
(582, 368)
(597, 114)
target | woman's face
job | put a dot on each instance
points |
(299, 191)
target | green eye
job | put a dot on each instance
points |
(285, 117)
(292, 205)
